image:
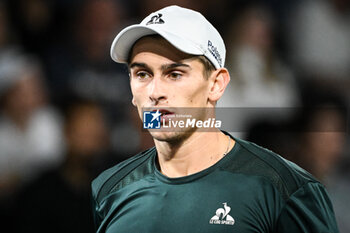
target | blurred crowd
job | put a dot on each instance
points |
(66, 112)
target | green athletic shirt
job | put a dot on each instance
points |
(251, 189)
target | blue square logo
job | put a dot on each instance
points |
(151, 120)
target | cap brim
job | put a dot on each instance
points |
(124, 41)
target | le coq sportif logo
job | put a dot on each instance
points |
(222, 216)
(156, 19)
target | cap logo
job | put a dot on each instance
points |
(214, 51)
(156, 19)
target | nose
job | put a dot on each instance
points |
(157, 91)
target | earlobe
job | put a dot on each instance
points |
(221, 78)
(133, 101)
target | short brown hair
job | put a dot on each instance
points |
(207, 65)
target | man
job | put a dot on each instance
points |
(195, 180)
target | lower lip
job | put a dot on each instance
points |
(165, 118)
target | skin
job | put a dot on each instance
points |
(163, 77)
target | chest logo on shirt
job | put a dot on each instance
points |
(222, 216)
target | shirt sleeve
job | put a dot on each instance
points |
(309, 210)
(94, 204)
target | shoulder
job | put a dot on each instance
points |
(306, 202)
(284, 175)
(112, 177)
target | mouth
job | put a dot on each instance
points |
(165, 114)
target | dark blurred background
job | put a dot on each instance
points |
(66, 113)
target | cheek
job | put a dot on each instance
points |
(138, 98)
(198, 95)
(137, 94)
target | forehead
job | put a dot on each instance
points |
(157, 46)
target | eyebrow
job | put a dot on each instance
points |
(174, 65)
(137, 64)
(163, 67)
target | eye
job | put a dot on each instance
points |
(175, 75)
(142, 75)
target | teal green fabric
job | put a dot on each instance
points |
(250, 190)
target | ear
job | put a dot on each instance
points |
(133, 101)
(219, 80)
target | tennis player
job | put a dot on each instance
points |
(195, 180)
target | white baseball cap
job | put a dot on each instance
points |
(187, 30)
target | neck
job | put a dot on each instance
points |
(193, 154)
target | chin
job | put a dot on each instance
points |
(172, 136)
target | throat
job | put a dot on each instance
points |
(194, 156)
